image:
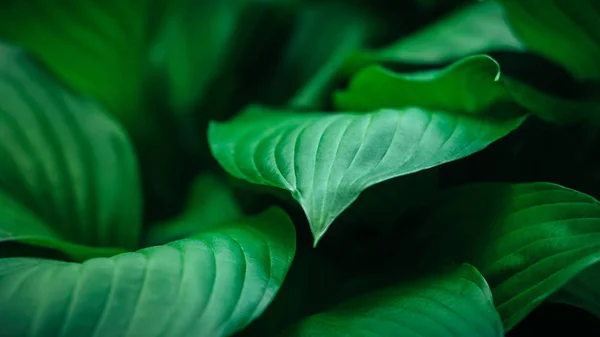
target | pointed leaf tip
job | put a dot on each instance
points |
(326, 160)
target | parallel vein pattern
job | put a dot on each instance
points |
(212, 285)
(95, 47)
(528, 240)
(327, 160)
(64, 160)
(455, 304)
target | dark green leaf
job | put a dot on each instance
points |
(474, 84)
(528, 240)
(212, 284)
(470, 30)
(479, 28)
(192, 46)
(327, 160)
(452, 304)
(470, 85)
(96, 47)
(582, 291)
(68, 173)
(211, 203)
(566, 32)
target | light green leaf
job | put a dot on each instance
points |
(96, 47)
(452, 304)
(327, 160)
(211, 203)
(212, 284)
(566, 32)
(67, 170)
(528, 240)
(470, 85)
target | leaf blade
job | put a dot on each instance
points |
(155, 291)
(64, 159)
(326, 160)
(528, 240)
(457, 303)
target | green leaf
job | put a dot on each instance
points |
(327, 160)
(98, 48)
(452, 304)
(470, 30)
(312, 62)
(582, 291)
(212, 284)
(211, 203)
(192, 47)
(528, 240)
(67, 170)
(479, 28)
(566, 32)
(470, 85)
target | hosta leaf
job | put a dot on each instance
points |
(470, 30)
(474, 84)
(191, 48)
(470, 85)
(96, 47)
(211, 203)
(537, 85)
(582, 291)
(528, 240)
(67, 170)
(564, 31)
(327, 160)
(212, 284)
(452, 304)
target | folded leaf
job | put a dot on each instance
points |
(470, 85)
(528, 240)
(212, 285)
(564, 31)
(327, 160)
(211, 203)
(473, 84)
(67, 170)
(451, 304)
(539, 87)
(98, 48)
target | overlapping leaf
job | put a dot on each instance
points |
(528, 240)
(471, 30)
(192, 46)
(212, 284)
(479, 28)
(68, 174)
(582, 291)
(470, 85)
(453, 304)
(564, 31)
(96, 47)
(327, 160)
(211, 203)
(473, 84)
